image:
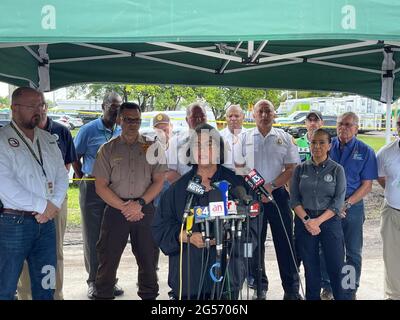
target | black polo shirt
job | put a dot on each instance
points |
(64, 140)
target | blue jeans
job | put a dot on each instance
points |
(23, 238)
(352, 226)
(331, 239)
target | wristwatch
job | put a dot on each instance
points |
(306, 218)
(347, 205)
(141, 201)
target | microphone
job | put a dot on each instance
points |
(194, 188)
(256, 183)
(217, 210)
(223, 186)
(202, 215)
(239, 192)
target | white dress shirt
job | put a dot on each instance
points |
(233, 146)
(23, 184)
(389, 167)
(176, 152)
(269, 154)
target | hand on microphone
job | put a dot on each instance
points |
(196, 239)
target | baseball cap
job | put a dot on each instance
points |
(160, 118)
(314, 113)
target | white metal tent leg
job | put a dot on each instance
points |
(388, 68)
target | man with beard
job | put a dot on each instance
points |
(34, 184)
(87, 142)
(66, 144)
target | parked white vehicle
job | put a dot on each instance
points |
(178, 119)
(73, 121)
(59, 119)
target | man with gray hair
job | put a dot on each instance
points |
(87, 142)
(232, 134)
(360, 165)
(178, 159)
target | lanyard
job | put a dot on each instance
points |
(38, 160)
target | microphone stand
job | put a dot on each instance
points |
(259, 269)
(189, 234)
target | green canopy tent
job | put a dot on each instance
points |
(333, 45)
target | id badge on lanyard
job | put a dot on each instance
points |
(49, 189)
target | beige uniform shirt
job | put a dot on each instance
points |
(126, 167)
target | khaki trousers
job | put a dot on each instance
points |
(24, 283)
(390, 232)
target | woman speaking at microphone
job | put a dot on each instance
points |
(206, 155)
(317, 195)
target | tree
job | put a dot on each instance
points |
(4, 102)
(98, 90)
(172, 97)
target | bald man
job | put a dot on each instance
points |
(232, 134)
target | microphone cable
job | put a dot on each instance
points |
(203, 275)
(290, 247)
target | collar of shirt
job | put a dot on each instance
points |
(49, 125)
(102, 127)
(140, 140)
(349, 144)
(35, 133)
(322, 164)
(272, 132)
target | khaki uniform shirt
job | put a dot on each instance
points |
(126, 167)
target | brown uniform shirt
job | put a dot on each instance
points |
(125, 167)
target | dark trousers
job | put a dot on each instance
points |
(92, 211)
(331, 241)
(115, 230)
(352, 226)
(287, 268)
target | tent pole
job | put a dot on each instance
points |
(388, 121)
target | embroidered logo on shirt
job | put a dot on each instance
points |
(13, 142)
(358, 156)
(328, 178)
(279, 141)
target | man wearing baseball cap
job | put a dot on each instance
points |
(313, 122)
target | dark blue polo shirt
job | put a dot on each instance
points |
(64, 140)
(359, 162)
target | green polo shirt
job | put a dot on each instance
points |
(303, 146)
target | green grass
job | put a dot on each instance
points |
(74, 212)
(74, 132)
(373, 141)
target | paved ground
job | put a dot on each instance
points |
(371, 287)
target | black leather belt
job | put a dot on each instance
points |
(18, 212)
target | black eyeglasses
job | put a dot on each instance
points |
(40, 106)
(131, 120)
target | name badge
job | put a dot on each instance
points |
(49, 188)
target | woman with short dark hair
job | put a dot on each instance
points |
(317, 195)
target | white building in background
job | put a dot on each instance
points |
(86, 105)
(371, 112)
